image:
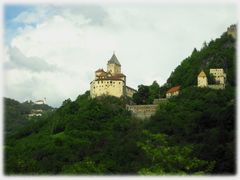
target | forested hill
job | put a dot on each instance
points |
(219, 53)
(16, 113)
(192, 133)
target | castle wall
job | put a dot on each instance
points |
(219, 75)
(217, 86)
(142, 111)
(202, 82)
(106, 87)
(130, 91)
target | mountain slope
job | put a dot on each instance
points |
(16, 113)
(220, 53)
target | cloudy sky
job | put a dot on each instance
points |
(52, 51)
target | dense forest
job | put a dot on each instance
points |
(193, 133)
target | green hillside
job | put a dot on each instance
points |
(193, 133)
(16, 114)
(219, 53)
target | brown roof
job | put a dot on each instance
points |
(202, 74)
(102, 74)
(131, 88)
(119, 75)
(174, 89)
(100, 70)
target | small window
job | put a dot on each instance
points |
(110, 81)
(119, 82)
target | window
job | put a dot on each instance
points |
(110, 81)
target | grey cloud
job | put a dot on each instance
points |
(34, 64)
(95, 13)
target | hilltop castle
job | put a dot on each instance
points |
(111, 82)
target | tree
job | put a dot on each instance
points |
(166, 158)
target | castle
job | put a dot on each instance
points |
(232, 31)
(111, 82)
(218, 75)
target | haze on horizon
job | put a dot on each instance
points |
(53, 51)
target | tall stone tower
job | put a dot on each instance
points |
(113, 65)
(202, 79)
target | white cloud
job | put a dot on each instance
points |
(150, 41)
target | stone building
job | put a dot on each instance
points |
(219, 75)
(111, 82)
(219, 78)
(202, 79)
(232, 31)
(174, 91)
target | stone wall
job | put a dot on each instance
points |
(142, 111)
(107, 87)
(217, 86)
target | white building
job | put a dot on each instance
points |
(174, 91)
(44, 101)
(202, 79)
(219, 75)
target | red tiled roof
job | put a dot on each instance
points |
(174, 89)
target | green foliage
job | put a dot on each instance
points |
(84, 136)
(168, 158)
(205, 118)
(193, 133)
(220, 53)
(146, 94)
(16, 114)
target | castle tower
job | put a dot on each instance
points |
(232, 31)
(113, 65)
(202, 79)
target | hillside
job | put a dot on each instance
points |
(219, 53)
(16, 113)
(193, 133)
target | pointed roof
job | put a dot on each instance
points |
(114, 60)
(202, 74)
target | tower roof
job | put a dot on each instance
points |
(202, 74)
(114, 60)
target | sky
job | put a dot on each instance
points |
(53, 51)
